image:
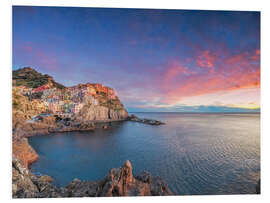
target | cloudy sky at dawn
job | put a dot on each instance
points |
(156, 60)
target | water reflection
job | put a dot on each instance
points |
(194, 153)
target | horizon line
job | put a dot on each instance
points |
(193, 112)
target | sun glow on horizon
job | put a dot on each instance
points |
(245, 98)
(184, 60)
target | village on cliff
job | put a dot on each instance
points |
(67, 101)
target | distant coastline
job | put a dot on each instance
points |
(252, 112)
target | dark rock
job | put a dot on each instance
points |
(22, 185)
(79, 188)
(118, 182)
(258, 187)
(159, 187)
(134, 118)
(145, 177)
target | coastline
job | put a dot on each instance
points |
(22, 150)
(117, 182)
(103, 123)
(50, 125)
(28, 185)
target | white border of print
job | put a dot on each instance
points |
(6, 61)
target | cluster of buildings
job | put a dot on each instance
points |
(72, 99)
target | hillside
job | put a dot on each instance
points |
(88, 101)
(30, 78)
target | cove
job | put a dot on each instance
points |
(194, 153)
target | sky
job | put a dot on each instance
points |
(156, 60)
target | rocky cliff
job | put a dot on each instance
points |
(42, 106)
(118, 182)
(91, 112)
(24, 152)
(23, 109)
(34, 92)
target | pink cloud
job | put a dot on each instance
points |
(175, 68)
(206, 60)
(233, 72)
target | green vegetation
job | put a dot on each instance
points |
(31, 78)
(16, 105)
(17, 100)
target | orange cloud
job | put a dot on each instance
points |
(231, 73)
(206, 60)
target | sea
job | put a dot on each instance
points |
(195, 153)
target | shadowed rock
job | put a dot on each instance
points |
(118, 182)
(134, 118)
(258, 187)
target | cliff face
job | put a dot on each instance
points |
(90, 112)
(34, 93)
(23, 109)
(118, 182)
(24, 152)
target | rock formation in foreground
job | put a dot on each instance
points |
(118, 182)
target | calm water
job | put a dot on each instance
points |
(194, 153)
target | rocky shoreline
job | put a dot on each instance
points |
(25, 184)
(22, 150)
(134, 118)
(118, 182)
(50, 124)
(41, 106)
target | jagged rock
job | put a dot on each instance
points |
(22, 185)
(118, 182)
(159, 187)
(145, 177)
(79, 188)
